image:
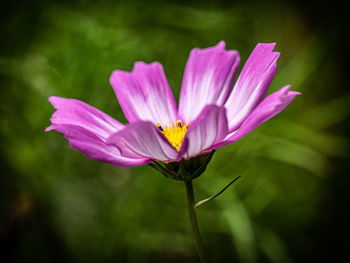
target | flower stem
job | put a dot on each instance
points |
(193, 219)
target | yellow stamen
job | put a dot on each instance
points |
(175, 133)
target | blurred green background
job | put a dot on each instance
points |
(291, 204)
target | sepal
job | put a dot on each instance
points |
(184, 170)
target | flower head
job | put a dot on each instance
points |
(213, 111)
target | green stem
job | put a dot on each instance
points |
(194, 224)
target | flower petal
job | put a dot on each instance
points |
(143, 138)
(87, 130)
(210, 127)
(144, 94)
(252, 84)
(208, 79)
(71, 111)
(268, 108)
(95, 148)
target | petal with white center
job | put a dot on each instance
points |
(208, 79)
(268, 108)
(209, 128)
(144, 94)
(143, 138)
(252, 84)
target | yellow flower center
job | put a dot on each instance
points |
(175, 133)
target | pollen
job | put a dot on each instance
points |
(174, 133)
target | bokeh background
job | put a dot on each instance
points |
(292, 202)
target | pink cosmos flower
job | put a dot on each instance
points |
(212, 111)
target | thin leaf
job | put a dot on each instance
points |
(219, 193)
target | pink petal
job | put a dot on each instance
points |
(87, 130)
(144, 94)
(209, 128)
(143, 139)
(252, 84)
(95, 148)
(268, 108)
(71, 111)
(208, 79)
